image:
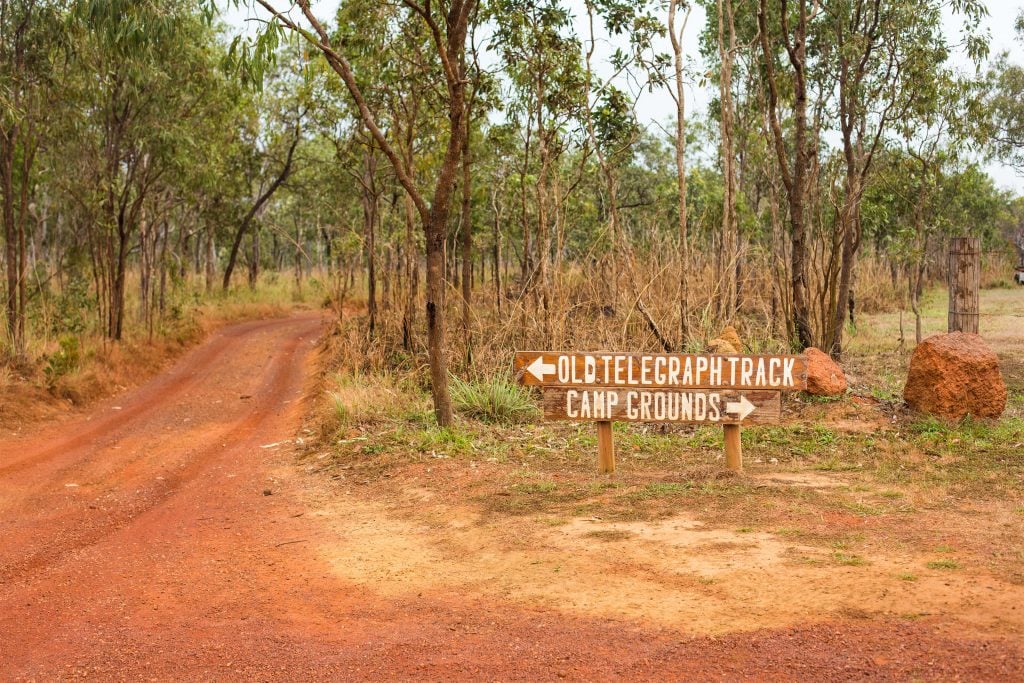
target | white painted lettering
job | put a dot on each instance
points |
(714, 407)
(563, 369)
(659, 370)
(733, 360)
(702, 367)
(746, 371)
(673, 370)
(715, 378)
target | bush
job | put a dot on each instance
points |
(493, 400)
(65, 360)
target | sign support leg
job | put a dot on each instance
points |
(605, 448)
(733, 448)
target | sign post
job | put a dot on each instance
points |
(603, 387)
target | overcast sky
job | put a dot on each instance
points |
(658, 108)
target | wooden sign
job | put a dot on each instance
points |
(603, 387)
(662, 405)
(684, 371)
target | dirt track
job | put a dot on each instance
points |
(139, 544)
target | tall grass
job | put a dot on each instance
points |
(584, 310)
(495, 400)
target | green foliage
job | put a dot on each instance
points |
(65, 360)
(494, 400)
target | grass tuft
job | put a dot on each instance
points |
(943, 564)
(496, 400)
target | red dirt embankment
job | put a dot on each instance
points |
(141, 543)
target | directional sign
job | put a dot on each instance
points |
(591, 404)
(605, 387)
(675, 371)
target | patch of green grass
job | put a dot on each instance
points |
(745, 530)
(788, 532)
(450, 440)
(495, 400)
(906, 576)
(555, 521)
(534, 488)
(943, 564)
(339, 410)
(944, 549)
(661, 490)
(848, 559)
(891, 494)
(836, 465)
(862, 509)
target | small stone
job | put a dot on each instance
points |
(954, 375)
(824, 376)
(267, 492)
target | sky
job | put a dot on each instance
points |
(657, 109)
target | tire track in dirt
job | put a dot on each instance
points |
(75, 534)
(186, 374)
(203, 577)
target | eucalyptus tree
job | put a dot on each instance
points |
(540, 57)
(447, 24)
(30, 32)
(886, 60)
(678, 93)
(779, 26)
(276, 130)
(128, 62)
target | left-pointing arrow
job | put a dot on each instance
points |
(538, 368)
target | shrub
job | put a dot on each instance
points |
(65, 360)
(493, 400)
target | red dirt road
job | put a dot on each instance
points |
(139, 544)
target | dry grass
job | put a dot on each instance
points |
(852, 476)
(77, 369)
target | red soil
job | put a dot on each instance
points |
(140, 543)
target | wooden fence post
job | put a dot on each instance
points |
(964, 283)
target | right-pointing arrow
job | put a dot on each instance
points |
(741, 408)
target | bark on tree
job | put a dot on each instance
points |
(680, 158)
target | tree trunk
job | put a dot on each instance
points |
(795, 182)
(729, 240)
(467, 246)
(257, 205)
(680, 149)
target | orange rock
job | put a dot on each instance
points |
(729, 335)
(953, 375)
(824, 376)
(721, 346)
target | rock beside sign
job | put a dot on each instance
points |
(824, 376)
(727, 342)
(953, 375)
